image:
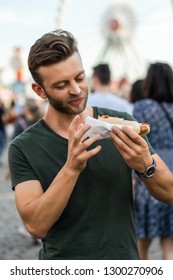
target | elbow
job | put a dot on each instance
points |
(36, 232)
(170, 199)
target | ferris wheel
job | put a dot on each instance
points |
(118, 40)
(118, 26)
(63, 5)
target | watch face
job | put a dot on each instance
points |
(150, 171)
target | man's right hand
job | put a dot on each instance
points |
(78, 154)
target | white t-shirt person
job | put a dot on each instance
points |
(110, 101)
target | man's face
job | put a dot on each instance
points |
(65, 85)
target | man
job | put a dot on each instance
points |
(102, 95)
(73, 192)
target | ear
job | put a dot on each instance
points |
(39, 90)
(95, 80)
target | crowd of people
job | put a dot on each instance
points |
(16, 117)
(87, 197)
(2, 132)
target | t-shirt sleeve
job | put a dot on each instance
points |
(20, 169)
(17, 130)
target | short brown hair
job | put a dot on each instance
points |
(103, 73)
(52, 47)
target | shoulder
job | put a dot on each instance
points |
(93, 96)
(145, 103)
(112, 113)
(28, 134)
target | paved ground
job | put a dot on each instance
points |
(14, 246)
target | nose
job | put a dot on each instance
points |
(74, 88)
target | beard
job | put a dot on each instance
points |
(65, 107)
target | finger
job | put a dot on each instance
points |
(83, 146)
(121, 138)
(120, 144)
(77, 129)
(73, 126)
(81, 131)
(133, 135)
(139, 142)
(129, 151)
(88, 154)
(129, 137)
(87, 143)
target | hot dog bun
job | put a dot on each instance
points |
(140, 128)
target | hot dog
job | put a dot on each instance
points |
(140, 128)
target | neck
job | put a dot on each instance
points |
(60, 122)
(102, 88)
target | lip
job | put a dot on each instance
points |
(76, 101)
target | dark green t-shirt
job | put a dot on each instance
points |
(98, 221)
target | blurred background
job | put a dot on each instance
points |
(126, 34)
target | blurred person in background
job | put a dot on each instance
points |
(154, 218)
(31, 114)
(10, 116)
(102, 95)
(136, 92)
(124, 89)
(2, 132)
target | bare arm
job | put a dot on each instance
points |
(38, 210)
(134, 150)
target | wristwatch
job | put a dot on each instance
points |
(149, 172)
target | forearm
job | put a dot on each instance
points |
(135, 152)
(39, 210)
(42, 212)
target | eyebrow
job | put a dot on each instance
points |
(64, 81)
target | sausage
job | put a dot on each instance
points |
(140, 128)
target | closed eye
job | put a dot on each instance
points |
(61, 86)
(80, 78)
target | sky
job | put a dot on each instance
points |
(23, 22)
